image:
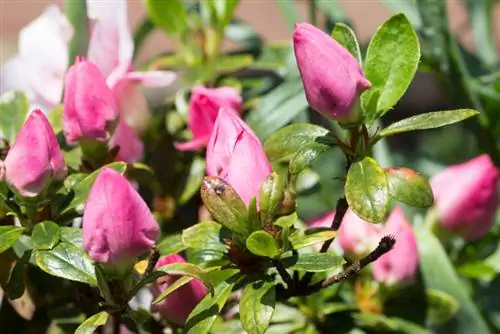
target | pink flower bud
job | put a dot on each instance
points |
(117, 223)
(466, 197)
(131, 146)
(235, 154)
(88, 103)
(357, 237)
(179, 304)
(204, 106)
(400, 264)
(35, 158)
(331, 76)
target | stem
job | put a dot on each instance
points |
(285, 275)
(116, 322)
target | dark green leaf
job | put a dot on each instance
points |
(346, 37)
(45, 235)
(306, 156)
(15, 288)
(169, 15)
(171, 244)
(441, 306)
(14, 107)
(429, 120)
(262, 243)
(409, 187)
(102, 284)
(314, 262)
(438, 273)
(257, 306)
(193, 183)
(205, 235)
(67, 261)
(367, 190)
(9, 236)
(91, 324)
(284, 143)
(301, 239)
(391, 62)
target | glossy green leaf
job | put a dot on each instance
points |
(91, 324)
(169, 15)
(262, 243)
(171, 244)
(193, 183)
(314, 262)
(67, 261)
(72, 235)
(312, 236)
(45, 235)
(9, 236)
(409, 187)
(206, 235)
(305, 157)
(429, 120)
(257, 305)
(187, 269)
(367, 190)
(441, 306)
(204, 314)
(81, 189)
(438, 274)
(172, 287)
(391, 62)
(14, 108)
(284, 143)
(346, 37)
(286, 221)
(271, 195)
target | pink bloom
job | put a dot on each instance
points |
(35, 158)
(332, 77)
(179, 304)
(131, 146)
(204, 106)
(38, 68)
(399, 265)
(117, 223)
(466, 197)
(88, 103)
(357, 237)
(235, 154)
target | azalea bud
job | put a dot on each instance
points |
(399, 265)
(35, 158)
(235, 154)
(204, 106)
(88, 103)
(466, 198)
(332, 77)
(357, 237)
(117, 223)
(130, 145)
(179, 304)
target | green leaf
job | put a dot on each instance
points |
(206, 235)
(81, 189)
(262, 243)
(91, 324)
(172, 287)
(257, 305)
(204, 314)
(72, 235)
(55, 118)
(306, 156)
(314, 262)
(385, 324)
(312, 236)
(409, 187)
(76, 12)
(187, 269)
(14, 108)
(284, 143)
(409, 8)
(16, 285)
(9, 236)
(346, 37)
(429, 120)
(193, 183)
(169, 15)
(391, 62)
(45, 235)
(367, 190)
(67, 261)
(438, 273)
(102, 284)
(478, 270)
(171, 244)
(271, 195)
(441, 306)
(233, 63)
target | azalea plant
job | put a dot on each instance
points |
(259, 191)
